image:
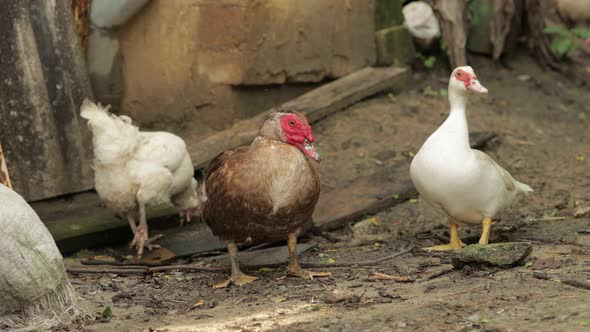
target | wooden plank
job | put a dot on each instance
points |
(372, 193)
(190, 239)
(81, 221)
(47, 147)
(316, 105)
(4, 176)
(365, 195)
(265, 257)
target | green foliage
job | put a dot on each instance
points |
(429, 91)
(107, 313)
(427, 61)
(564, 43)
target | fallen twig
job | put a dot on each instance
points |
(121, 268)
(577, 283)
(263, 246)
(382, 276)
(129, 265)
(104, 270)
(188, 267)
(144, 270)
(364, 263)
(437, 274)
(330, 237)
(552, 218)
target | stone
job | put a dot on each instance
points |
(388, 13)
(394, 46)
(496, 254)
(366, 226)
(335, 296)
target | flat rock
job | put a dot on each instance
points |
(495, 254)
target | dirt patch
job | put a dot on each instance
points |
(543, 139)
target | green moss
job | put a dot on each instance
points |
(388, 13)
(497, 254)
(394, 46)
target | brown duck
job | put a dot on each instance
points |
(265, 191)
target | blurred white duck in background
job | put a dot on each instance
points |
(467, 184)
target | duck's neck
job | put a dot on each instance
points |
(456, 123)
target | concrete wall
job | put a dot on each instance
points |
(192, 62)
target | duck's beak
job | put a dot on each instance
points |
(310, 150)
(477, 87)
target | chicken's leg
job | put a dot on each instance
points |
(485, 232)
(132, 224)
(141, 239)
(294, 266)
(237, 276)
(454, 243)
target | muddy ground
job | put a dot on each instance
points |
(542, 120)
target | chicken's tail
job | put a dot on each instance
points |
(114, 137)
(525, 188)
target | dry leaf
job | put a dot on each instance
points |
(198, 304)
(279, 299)
(158, 255)
(102, 258)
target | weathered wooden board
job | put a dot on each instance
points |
(190, 239)
(365, 195)
(316, 105)
(44, 81)
(372, 193)
(81, 221)
(259, 258)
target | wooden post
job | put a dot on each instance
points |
(4, 177)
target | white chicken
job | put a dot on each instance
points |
(134, 169)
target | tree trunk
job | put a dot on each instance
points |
(46, 145)
(539, 41)
(453, 16)
(500, 25)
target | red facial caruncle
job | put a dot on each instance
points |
(470, 81)
(464, 77)
(298, 133)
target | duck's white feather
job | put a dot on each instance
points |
(467, 184)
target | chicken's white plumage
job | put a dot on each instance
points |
(135, 168)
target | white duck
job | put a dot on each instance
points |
(467, 184)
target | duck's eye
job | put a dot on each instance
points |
(458, 73)
(292, 123)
